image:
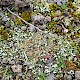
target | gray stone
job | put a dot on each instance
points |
(23, 28)
(38, 19)
(48, 18)
(42, 27)
(5, 60)
(50, 77)
(32, 29)
(77, 74)
(69, 77)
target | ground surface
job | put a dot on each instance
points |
(40, 40)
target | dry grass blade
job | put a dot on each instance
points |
(23, 20)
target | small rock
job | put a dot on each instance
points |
(48, 18)
(32, 29)
(5, 19)
(23, 28)
(65, 30)
(5, 60)
(56, 19)
(50, 77)
(19, 74)
(69, 77)
(38, 19)
(58, 12)
(72, 18)
(77, 74)
(7, 25)
(42, 27)
(15, 45)
(66, 13)
(78, 57)
(16, 68)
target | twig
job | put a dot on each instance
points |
(23, 20)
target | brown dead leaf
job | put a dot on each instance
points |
(70, 66)
(78, 56)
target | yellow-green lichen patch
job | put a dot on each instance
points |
(4, 35)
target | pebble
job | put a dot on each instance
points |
(65, 30)
(69, 77)
(32, 29)
(56, 18)
(42, 27)
(66, 14)
(77, 74)
(7, 25)
(5, 60)
(72, 18)
(58, 12)
(48, 18)
(19, 74)
(23, 28)
(50, 77)
(5, 19)
(40, 19)
(15, 45)
(17, 68)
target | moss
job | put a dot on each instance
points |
(53, 14)
(76, 16)
(55, 7)
(73, 44)
(8, 14)
(26, 16)
(4, 35)
(77, 35)
(70, 27)
(18, 21)
(51, 24)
